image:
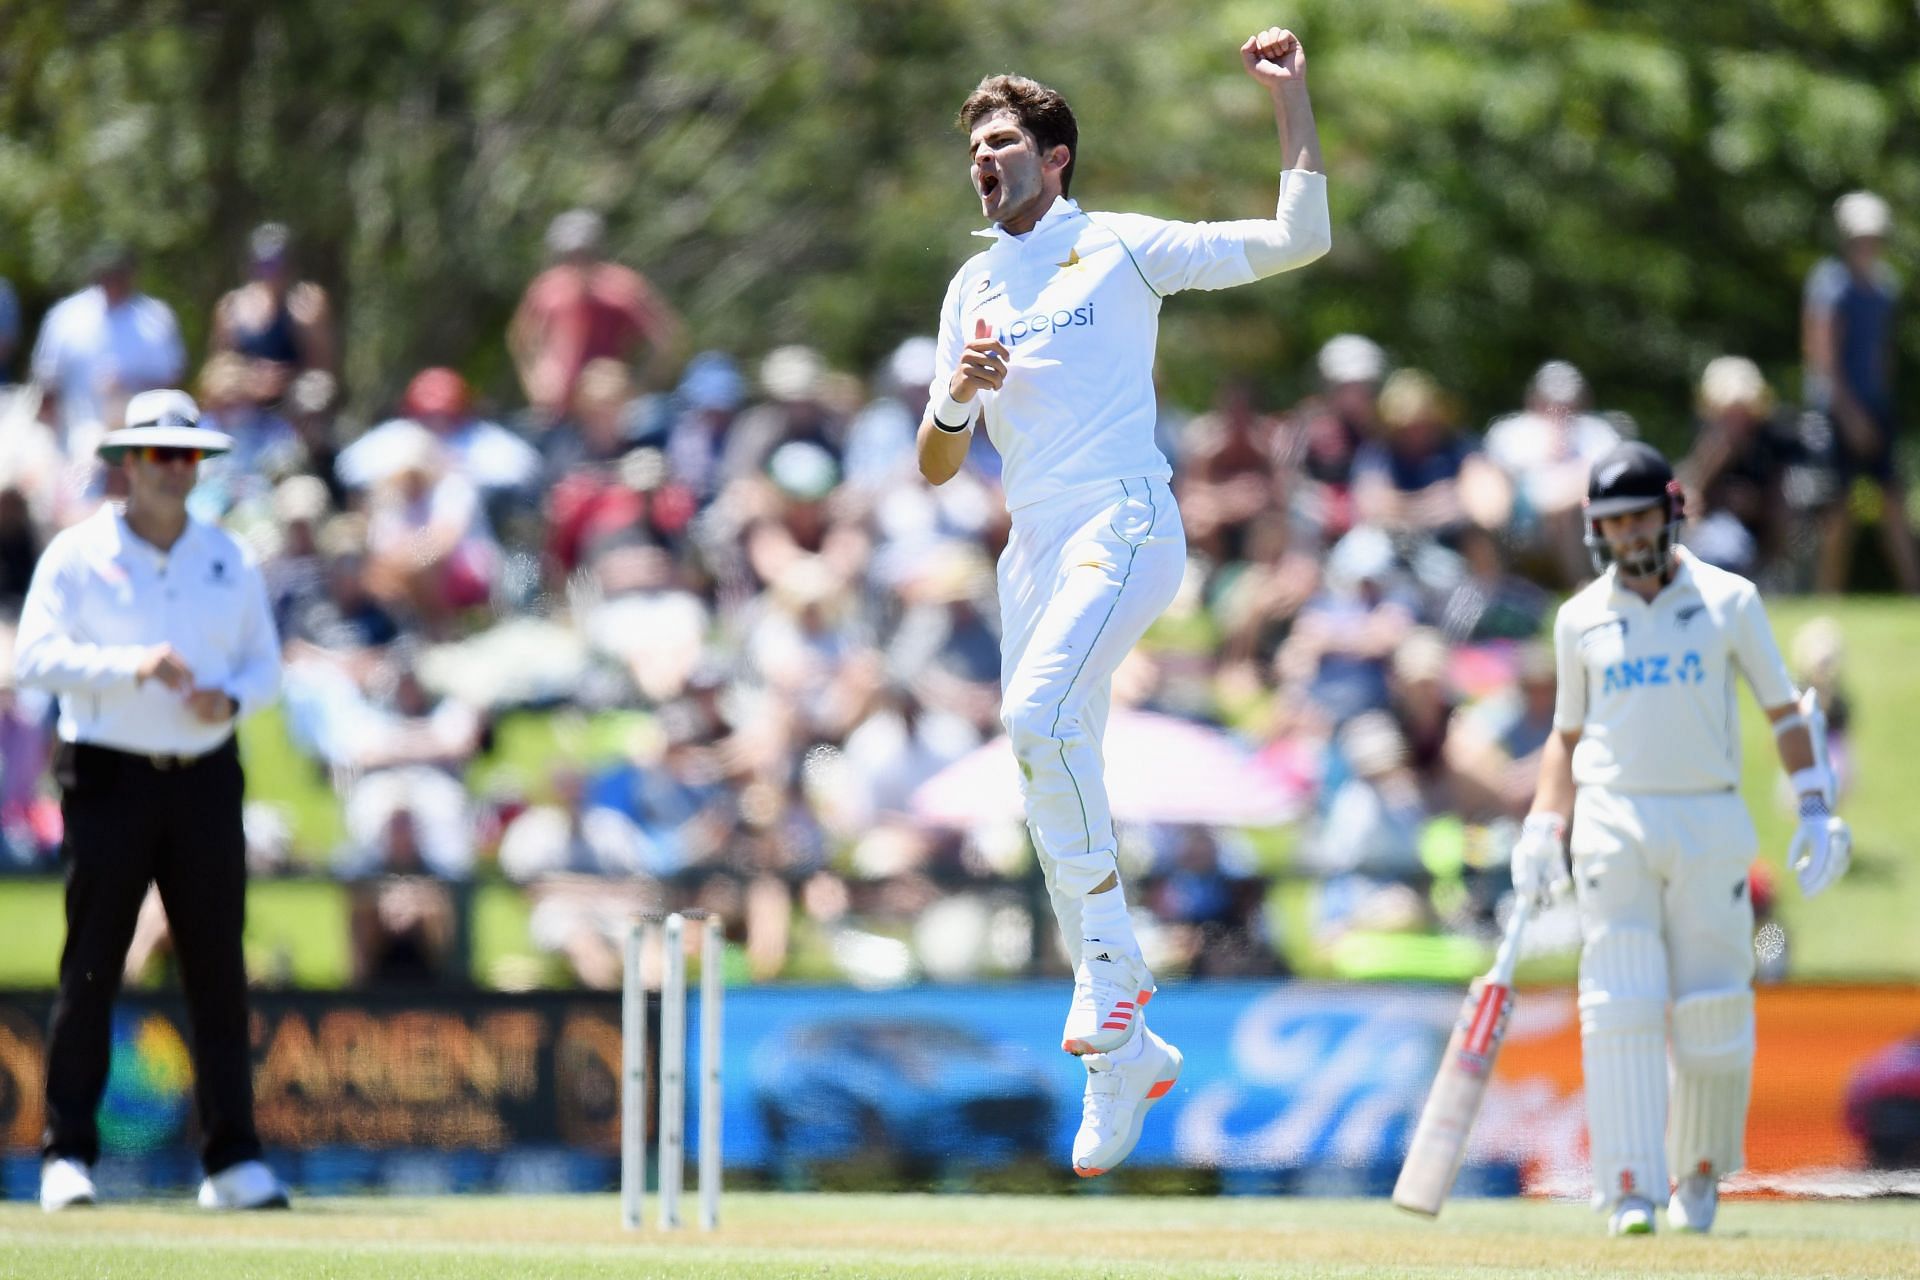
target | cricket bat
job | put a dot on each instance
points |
(1440, 1139)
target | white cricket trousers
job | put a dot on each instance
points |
(1082, 578)
(1666, 963)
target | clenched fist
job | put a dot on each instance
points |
(1274, 58)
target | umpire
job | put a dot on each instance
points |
(154, 631)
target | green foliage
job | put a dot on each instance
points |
(1636, 188)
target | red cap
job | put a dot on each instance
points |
(438, 391)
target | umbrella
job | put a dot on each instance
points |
(1159, 769)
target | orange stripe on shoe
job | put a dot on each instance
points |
(1074, 1047)
(1160, 1089)
(1145, 996)
(1088, 1173)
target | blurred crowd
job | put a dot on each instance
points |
(784, 642)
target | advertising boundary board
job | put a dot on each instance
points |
(1289, 1087)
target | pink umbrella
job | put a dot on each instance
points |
(1159, 769)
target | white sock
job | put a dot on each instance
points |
(1135, 1043)
(1103, 918)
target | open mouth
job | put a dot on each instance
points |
(988, 185)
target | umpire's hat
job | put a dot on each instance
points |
(1631, 477)
(168, 419)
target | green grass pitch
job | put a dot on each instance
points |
(946, 1238)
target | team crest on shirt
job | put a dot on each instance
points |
(217, 573)
(1688, 612)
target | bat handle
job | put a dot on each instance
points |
(1508, 956)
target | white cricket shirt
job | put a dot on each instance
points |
(1650, 685)
(1076, 301)
(101, 597)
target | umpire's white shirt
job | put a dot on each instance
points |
(101, 598)
(1649, 684)
(1076, 301)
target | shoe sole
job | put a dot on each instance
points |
(1158, 1090)
(1108, 1038)
(78, 1202)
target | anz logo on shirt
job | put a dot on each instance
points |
(1653, 671)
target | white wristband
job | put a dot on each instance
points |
(947, 410)
(1815, 780)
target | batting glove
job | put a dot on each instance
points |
(1822, 847)
(1540, 859)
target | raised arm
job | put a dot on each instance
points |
(1276, 60)
(1302, 228)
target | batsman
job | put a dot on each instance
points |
(1642, 773)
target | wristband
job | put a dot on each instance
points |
(1814, 781)
(1785, 724)
(949, 408)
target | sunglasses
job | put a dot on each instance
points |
(164, 454)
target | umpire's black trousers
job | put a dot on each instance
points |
(132, 821)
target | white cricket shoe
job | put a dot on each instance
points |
(65, 1183)
(1633, 1216)
(1118, 1095)
(247, 1185)
(1696, 1198)
(1110, 988)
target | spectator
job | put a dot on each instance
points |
(1372, 827)
(795, 381)
(1486, 600)
(704, 404)
(1256, 600)
(1419, 478)
(20, 544)
(401, 921)
(1496, 753)
(1847, 325)
(880, 448)
(571, 837)
(1323, 434)
(581, 309)
(309, 408)
(1226, 475)
(1208, 906)
(99, 346)
(429, 548)
(1736, 473)
(9, 329)
(484, 454)
(265, 446)
(1547, 450)
(1422, 706)
(280, 324)
(1338, 656)
(603, 425)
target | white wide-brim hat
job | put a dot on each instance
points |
(168, 419)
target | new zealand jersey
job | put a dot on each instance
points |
(1650, 684)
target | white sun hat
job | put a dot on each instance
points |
(169, 419)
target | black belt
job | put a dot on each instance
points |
(162, 761)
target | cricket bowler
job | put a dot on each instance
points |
(1047, 337)
(1642, 771)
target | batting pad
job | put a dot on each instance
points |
(1623, 1050)
(1713, 1044)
